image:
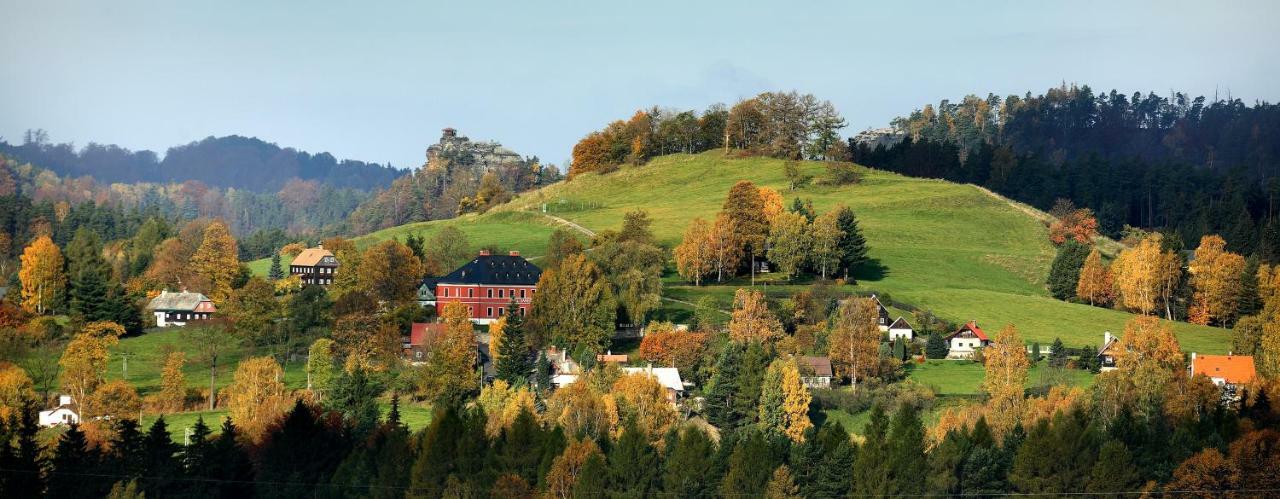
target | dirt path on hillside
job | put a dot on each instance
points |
(571, 225)
(694, 305)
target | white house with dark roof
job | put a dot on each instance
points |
(901, 329)
(176, 309)
(882, 317)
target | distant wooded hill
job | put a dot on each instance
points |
(233, 161)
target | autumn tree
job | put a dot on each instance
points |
(745, 207)
(115, 400)
(825, 235)
(1216, 278)
(43, 282)
(1205, 474)
(784, 400)
(217, 260)
(726, 246)
(854, 342)
(562, 244)
(448, 248)
(752, 321)
(254, 311)
(772, 200)
(346, 278)
(1095, 283)
(1078, 225)
(695, 253)
(256, 397)
(782, 485)
(449, 374)
(581, 412)
(84, 362)
(565, 470)
(664, 345)
(1006, 375)
(16, 389)
(321, 367)
(574, 306)
(1147, 275)
(389, 272)
(642, 401)
(1149, 356)
(173, 383)
(211, 340)
(366, 341)
(790, 242)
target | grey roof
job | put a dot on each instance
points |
(495, 270)
(180, 301)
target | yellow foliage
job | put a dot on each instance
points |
(854, 343)
(256, 397)
(1215, 277)
(1006, 375)
(84, 365)
(752, 321)
(43, 282)
(642, 399)
(217, 261)
(16, 389)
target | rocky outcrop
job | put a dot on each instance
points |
(454, 151)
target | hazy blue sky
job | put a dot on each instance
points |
(376, 81)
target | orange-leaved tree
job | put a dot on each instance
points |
(1079, 224)
(752, 321)
(1215, 278)
(1095, 284)
(1006, 377)
(695, 253)
(43, 282)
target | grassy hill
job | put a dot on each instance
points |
(954, 249)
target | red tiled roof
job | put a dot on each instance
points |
(971, 326)
(1235, 369)
(425, 332)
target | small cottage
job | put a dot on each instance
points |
(668, 377)
(962, 343)
(176, 309)
(1229, 372)
(815, 372)
(64, 413)
(901, 330)
(1109, 352)
(427, 291)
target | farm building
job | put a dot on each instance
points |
(314, 266)
(901, 329)
(815, 372)
(176, 309)
(64, 413)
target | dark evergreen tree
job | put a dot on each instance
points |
(355, 395)
(127, 458)
(89, 277)
(690, 464)
(1035, 353)
(276, 272)
(633, 464)
(513, 351)
(946, 462)
(871, 475)
(309, 311)
(749, 467)
(299, 454)
(162, 468)
(437, 448)
(1064, 273)
(229, 471)
(723, 388)
(542, 374)
(23, 463)
(593, 481)
(906, 457)
(519, 451)
(853, 247)
(936, 347)
(1250, 302)
(984, 472)
(197, 460)
(72, 459)
(803, 207)
(1114, 471)
(1057, 353)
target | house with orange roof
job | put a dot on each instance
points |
(314, 266)
(1227, 371)
(966, 340)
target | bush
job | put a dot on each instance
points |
(887, 395)
(936, 347)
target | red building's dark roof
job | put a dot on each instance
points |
(498, 270)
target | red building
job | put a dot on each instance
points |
(487, 285)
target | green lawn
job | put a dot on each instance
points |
(146, 353)
(962, 377)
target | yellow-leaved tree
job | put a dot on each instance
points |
(751, 320)
(854, 342)
(217, 261)
(1149, 357)
(695, 255)
(772, 203)
(449, 374)
(43, 282)
(642, 399)
(567, 467)
(784, 400)
(1147, 276)
(16, 389)
(84, 363)
(389, 272)
(256, 397)
(1006, 376)
(1215, 278)
(1095, 284)
(173, 384)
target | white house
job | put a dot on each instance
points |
(1107, 354)
(882, 320)
(966, 340)
(900, 329)
(669, 377)
(815, 372)
(176, 309)
(64, 413)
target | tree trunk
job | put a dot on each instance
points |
(213, 369)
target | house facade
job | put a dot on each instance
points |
(882, 319)
(815, 372)
(962, 343)
(314, 266)
(488, 284)
(668, 377)
(900, 329)
(64, 413)
(177, 309)
(427, 292)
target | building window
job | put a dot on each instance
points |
(471, 292)
(488, 312)
(521, 311)
(522, 293)
(490, 292)
(499, 293)
(501, 311)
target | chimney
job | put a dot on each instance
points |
(320, 245)
(484, 252)
(1106, 337)
(513, 253)
(64, 400)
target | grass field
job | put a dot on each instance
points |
(146, 353)
(959, 377)
(414, 415)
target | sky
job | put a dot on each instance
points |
(376, 81)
